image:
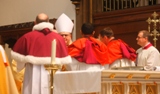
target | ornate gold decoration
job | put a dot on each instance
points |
(117, 88)
(153, 32)
(52, 68)
(151, 89)
(77, 5)
(147, 76)
(134, 89)
(130, 76)
(112, 75)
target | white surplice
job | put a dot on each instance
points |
(124, 62)
(36, 77)
(148, 58)
(76, 65)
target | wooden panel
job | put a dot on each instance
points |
(126, 23)
(10, 33)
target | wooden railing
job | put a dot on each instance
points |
(130, 82)
(126, 23)
(111, 5)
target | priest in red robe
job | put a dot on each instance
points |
(88, 52)
(34, 46)
(119, 54)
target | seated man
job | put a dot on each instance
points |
(148, 55)
(119, 53)
(87, 52)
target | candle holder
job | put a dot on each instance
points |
(52, 68)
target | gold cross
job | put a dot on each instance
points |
(155, 15)
(154, 31)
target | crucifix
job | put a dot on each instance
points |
(154, 32)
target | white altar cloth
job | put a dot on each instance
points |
(71, 82)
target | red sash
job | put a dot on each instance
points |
(127, 51)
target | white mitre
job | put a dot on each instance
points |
(64, 24)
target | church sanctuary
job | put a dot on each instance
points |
(133, 67)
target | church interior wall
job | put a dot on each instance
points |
(20, 11)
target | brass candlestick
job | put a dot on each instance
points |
(52, 68)
(154, 32)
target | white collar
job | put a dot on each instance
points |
(43, 25)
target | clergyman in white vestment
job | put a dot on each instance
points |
(148, 55)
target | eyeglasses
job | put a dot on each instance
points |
(139, 37)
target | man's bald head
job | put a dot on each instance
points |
(41, 18)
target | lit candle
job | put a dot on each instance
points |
(53, 53)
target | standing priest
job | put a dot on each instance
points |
(34, 46)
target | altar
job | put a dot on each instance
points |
(130, 82)
(107, 82)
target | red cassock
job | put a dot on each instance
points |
(118, 49)
(38, 43)
(97, 52)
(89, 50)
(114, 51)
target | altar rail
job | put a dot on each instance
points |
(107, 82)
(130, 82)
